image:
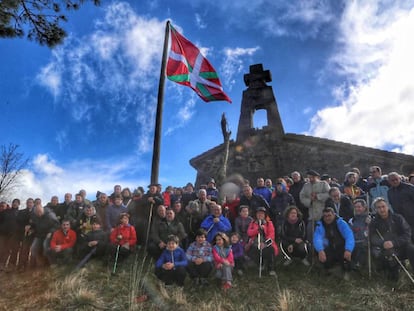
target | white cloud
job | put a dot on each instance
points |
(184, 114)
(45, 166)
(50, 77)
(114, 68)
(47, 178)
(233, 64)
(307, 110)
(199, 21)
(376, 101)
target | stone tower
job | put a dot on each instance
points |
(258, 95)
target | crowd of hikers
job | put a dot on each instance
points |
(359, 224)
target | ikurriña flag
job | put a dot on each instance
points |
(187, 66)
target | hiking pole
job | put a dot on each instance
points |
(260, 249)
(116, 259)
(398, 260)
(149, 227)
(369, 242)
(86, 258)
(369, 256)
(211, 227)
(285, 255)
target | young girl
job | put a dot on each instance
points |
(238, 252)
(223, 258)
(171, 266)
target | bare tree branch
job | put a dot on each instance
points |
(12, 163)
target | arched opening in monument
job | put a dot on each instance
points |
(259, 119)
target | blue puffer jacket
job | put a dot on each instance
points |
(176, 256)
(320, 241)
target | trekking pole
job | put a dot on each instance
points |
(211, 227)
(285, 254)
(398, 260)
(313, 232)
(149, 227)
(369, 242)
(86, 258)
(116, 259)
(369, 256)
(260, 249)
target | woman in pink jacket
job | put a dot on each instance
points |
(262, 247)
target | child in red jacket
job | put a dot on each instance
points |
(123, 238)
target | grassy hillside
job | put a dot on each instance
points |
(294, 288)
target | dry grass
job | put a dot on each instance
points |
(94, 288)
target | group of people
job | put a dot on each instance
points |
(310, 218)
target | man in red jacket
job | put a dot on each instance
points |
(62, 244)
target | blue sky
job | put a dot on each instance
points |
(84, 111)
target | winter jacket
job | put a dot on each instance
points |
(278, 205)
(64, 240)
(268, 232)
(222, 253)
(164, 229)
(394, 229)
(345, 210)
(238, 250)
(45, 224)
(177, 256)
(241, 225)
(402, 200)
(320, 239)
(359, 228)
(204, 251)
(222, 226)
(378, 188)
(321, 188)
(112, 215)
(292, 231)
(128, 235)
(264, 192)
(253, 203)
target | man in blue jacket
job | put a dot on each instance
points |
(215, 222)
(333, 240)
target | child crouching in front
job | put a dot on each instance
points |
(171, 266)
(223, 258)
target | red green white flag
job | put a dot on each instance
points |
(187, 66)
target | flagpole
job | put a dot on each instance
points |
(158, 117)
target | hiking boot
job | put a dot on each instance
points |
(287, 262)
(347, 276)
(226, 286)
(305, 262)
